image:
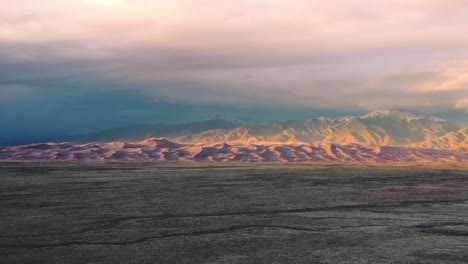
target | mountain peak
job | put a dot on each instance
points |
(399, 114)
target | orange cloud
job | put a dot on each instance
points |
(449, 77)
(103, 2)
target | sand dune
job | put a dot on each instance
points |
(163, 150)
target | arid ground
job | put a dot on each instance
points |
(241, 213)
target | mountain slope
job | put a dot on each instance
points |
(457, 141)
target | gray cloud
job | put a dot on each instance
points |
(11, 93)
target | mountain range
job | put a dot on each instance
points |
(383, 127)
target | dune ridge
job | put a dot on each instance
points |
(163, 150)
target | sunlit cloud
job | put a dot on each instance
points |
(103, 2)
(451, 77)
(462, 104)
(316, 54)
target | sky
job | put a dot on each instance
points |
(74, 66)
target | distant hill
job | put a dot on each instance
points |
(144, 131)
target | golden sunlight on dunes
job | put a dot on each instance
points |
(163, 150)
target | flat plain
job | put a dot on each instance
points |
(231, 213)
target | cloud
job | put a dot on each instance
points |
(451, 77)
(462, 104)
(10, 93)
(316, 54)
(103, 2)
